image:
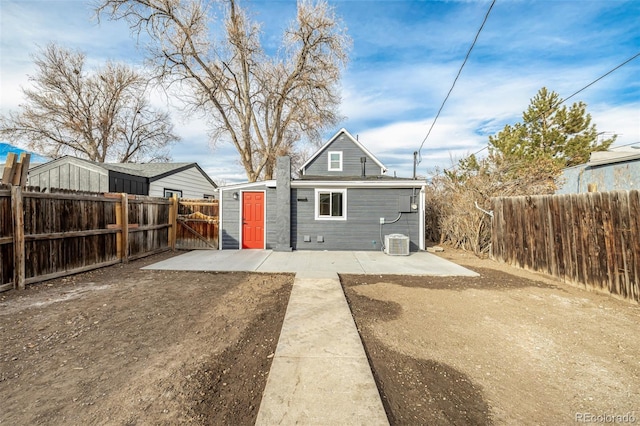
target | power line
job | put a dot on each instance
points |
(626, 144)
(486, 16)
(601, 77)
(571, 96)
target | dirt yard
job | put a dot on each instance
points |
(508, 347)
(125, 346)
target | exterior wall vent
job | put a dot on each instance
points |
(396, 245)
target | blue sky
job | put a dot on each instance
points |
(404, 58)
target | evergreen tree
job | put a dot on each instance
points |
(549, 133)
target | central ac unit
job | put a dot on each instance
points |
(396, 245)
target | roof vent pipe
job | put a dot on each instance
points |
(363, 161)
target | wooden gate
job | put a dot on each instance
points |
(197, 224)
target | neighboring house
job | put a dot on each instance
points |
(187, 180)
(343, 201)
(606, 171)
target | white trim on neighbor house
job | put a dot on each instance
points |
(317, 215)
(603, 158)
(168, 192)
(383, 169)
(330, 161)
(264, 218)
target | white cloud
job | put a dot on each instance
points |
(622, 120)
(404, 59)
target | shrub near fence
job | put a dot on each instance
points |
(590, 239)
(49, 235)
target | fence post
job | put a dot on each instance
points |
(18, 238)
(173, 221)
(122, 221)
(9, 168)
(124, 205)
(119, 234)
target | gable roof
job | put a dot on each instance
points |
(354, 140)
(148, 170)
(151, 171)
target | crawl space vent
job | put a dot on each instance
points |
(396, 245)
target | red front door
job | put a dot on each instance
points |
(253, 220)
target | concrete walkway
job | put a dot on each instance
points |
(320, 374)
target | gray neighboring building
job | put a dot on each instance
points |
(187, 180)
(339, 202)
(606, 171)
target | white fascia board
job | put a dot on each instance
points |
(268, 183)
(357, 184)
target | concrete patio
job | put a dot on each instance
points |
(341, 262)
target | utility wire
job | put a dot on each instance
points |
(568, 97)
(600, 78)
(626, 144)
(486, 16)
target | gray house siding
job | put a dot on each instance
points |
(270, 218)
(191, 182)
(68, 173)
(230, 232)
(351, 166)
(361, 230)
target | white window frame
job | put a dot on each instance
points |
(342, 191)
(334, 169)
(168, 192)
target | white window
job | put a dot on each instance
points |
(331, 204)
(168, 193)
(335, 161)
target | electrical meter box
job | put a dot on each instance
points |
(404, 204)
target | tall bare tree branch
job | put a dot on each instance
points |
(262, 104)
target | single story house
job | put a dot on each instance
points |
(343, 201)
(187, 180)
(617, 169)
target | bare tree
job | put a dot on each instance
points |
(263, 104)
(102, 115)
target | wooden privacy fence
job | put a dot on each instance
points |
(49, 235)
(591, 239)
